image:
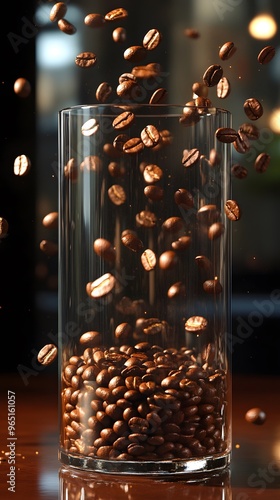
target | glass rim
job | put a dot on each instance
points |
(211, 110)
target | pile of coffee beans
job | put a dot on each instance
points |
(143, 402)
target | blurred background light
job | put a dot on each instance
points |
(262, 27)
(274, 121)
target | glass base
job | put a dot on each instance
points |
(147, 468)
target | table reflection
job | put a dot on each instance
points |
(77, 485)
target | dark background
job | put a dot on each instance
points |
(28, 278)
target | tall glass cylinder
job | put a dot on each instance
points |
(144, 289)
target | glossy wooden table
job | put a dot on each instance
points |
(254, 472)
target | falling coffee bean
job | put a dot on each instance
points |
(253, 108)
(212, 75)
(255, 416)
(196, 324)
(148, 259)
(262, 162)
(266, 54)
(190, 157)
(104, 249)
(223, 88)
(4, 226)
(213, 287)
(232, 210)
(226, 134)
(47, 354)
(101, 286)
(85, 59)
(239, 171)
(227, 50)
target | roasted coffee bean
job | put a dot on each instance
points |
(131, 241)
(154, 193)
(190, 157)
(4, 226)
(90, 127)
(184, 198)
(200, 89)
(227, 50)
(124, 120)
(232, 210)
(116, 169)
(116, 14)
(212, 75)
(50, 220)
(226, 134)
(119, 35)
(150, 136)
(58, 11)
(168, 259)
(255, 416)
(50, 248)
(135, 53)
(123, 331)
(104, 249)
(85, 59)
(262, 162)
(94, 20)
(146, 218)
(208, 213)
(176, 290)
(148, 259)
(182, 243)
(152, 39)
(117, 194)
(101, 286)
(202, 104)
(125, 88)
(191, 33)
(253, 108)
(239, 171)
(196, 324)
(215, 230)
(214, 157)
(103, 92)
(90, 339)
(212, 286)
(92, 162)
(22, 87)
(133, 145)
(150, 70)
(127, 77)
(173, 224)
(47, 354)
(22, 165)
(119, 142)
(159, 96)
(266, 54)
(66, 27)
(250, 130)
(242, 143)
(203, 262)
(208, 355)
(190, 115)
(223, 88)
(152, 173)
